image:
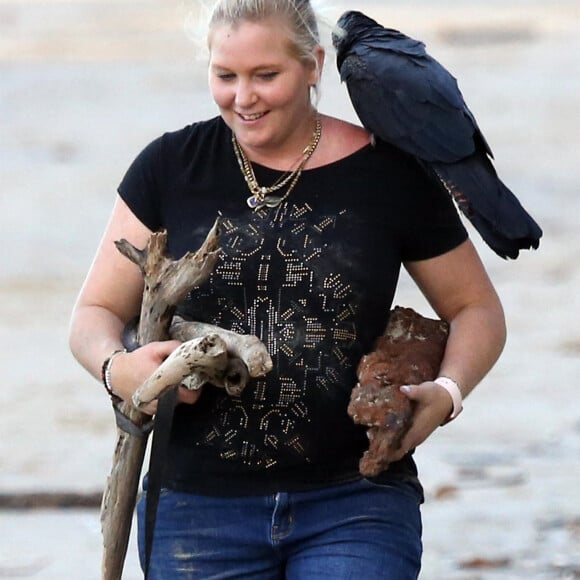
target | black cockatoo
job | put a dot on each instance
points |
(406, 98)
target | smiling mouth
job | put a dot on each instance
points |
(253, 117)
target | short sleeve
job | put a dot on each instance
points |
(431, 225)
(139, 188)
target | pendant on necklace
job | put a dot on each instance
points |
(254, 203)
(273, 200)
(270, 201)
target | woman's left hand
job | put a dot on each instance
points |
(432, 407)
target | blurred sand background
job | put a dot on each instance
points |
(84, 85)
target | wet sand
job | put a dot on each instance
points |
(85, 85)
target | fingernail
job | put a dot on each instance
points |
(406, 389)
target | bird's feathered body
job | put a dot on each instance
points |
(406, 98)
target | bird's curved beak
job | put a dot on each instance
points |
(337, 34)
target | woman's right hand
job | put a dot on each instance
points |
(130, 370)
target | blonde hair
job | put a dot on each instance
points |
(298, 14)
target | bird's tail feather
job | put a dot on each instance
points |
(492, 208)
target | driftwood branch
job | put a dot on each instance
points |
(409, 352)
(206, 356)
(247, 356)
(167, 283)
(195, 363)
(245, 347)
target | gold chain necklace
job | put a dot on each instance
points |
(261, 195)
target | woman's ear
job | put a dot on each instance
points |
(319, 55)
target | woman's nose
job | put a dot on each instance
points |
(245, 95)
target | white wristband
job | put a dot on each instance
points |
(454, 392)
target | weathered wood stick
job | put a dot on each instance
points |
(209, 354)
(247, 347)
(409, 352)
(233, 378)
(206, 355)
(167, 283)
(236, 376)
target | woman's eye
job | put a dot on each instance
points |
(226, 76)
(268, 76)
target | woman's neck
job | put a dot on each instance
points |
(287, 155)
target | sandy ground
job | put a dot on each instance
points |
(85, 84)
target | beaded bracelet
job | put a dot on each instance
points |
(106, 372)
(455, 393)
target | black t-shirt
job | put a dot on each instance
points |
(314, 278)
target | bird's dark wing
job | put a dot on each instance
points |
(411, 102)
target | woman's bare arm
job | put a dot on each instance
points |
(109, 298)
(460, 291)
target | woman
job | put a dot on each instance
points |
(317, 221)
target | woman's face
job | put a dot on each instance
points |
(261, 89)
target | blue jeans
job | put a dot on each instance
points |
(355, 530)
